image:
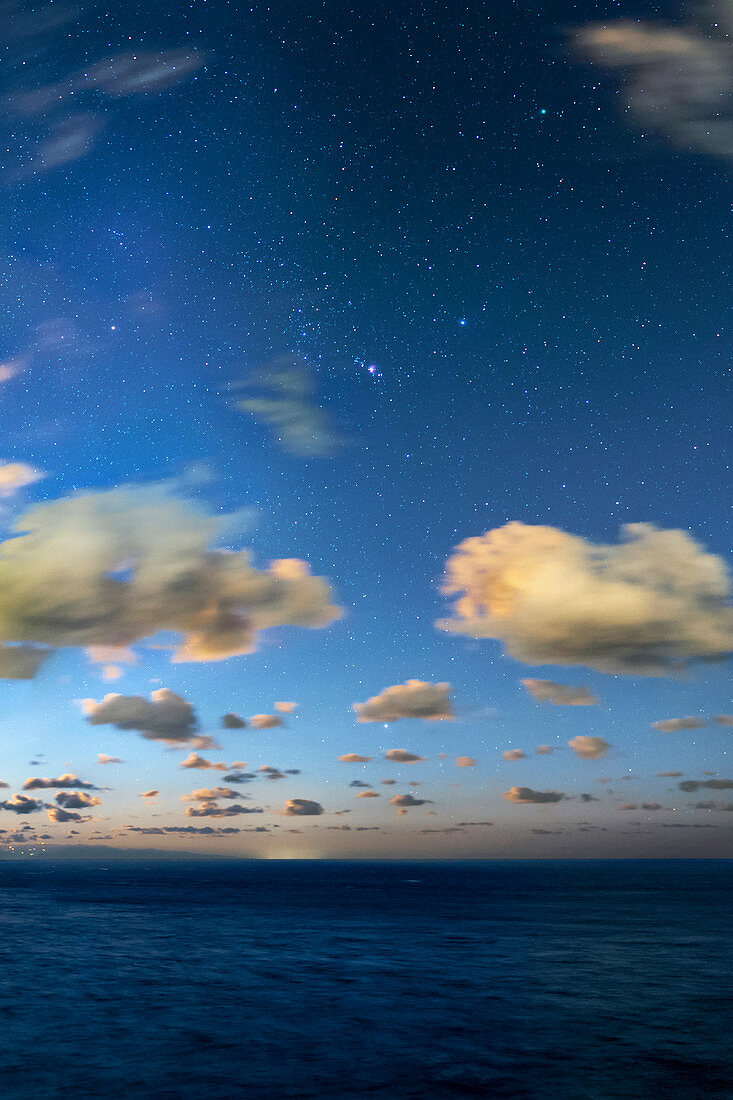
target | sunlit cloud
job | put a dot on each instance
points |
(103, 758)
(77, 800)
(562, 695)
(403, 756)
(525, 795)
(302, 807)
(57, 814)
(414, 699)
(645, 607)
(286, 708)
(114, 567)
(669, 725)
(67, 780)
(210, 809)
(196, 761)
(405, 801)
(513, 754)
(166, 717)
(17, 475)
(354, 758)
(22, 804)
(265, 721)
(211, 794)
(465, 762)
(589, 748)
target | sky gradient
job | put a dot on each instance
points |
(365, 379)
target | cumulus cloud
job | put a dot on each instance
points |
(669, 725)
(16, 475)
(359, 783)
(296, 424)
(104, 759)
(465, 762)
(369, 794)
(402, 756)
(388, 782)
(679, 78)
(589, 748)
(210, 809)
(710, 784)
(114, 567)
(513, 754)
(724, 719)
(354, 758)
(545, 750)
(562, 695)
(286, 708)
(57, 814)
(271, 772)
(167, 717)
(644, 607)
(149, 794)
(239, 777)
(302, 807)
(22, 804)
(233, 722)
(406, 800)
(265, 721)
(196, 761)
(669, 775)
(37, 783)
(77, 800)
(209, 794)
(414, 699)
(524, 795)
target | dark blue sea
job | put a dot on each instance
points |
(580, 980)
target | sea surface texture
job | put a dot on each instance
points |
(573, 980)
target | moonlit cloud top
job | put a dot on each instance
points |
(415, 699)
(112, 568)
(644, 607)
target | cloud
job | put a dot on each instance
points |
(651, 806)
(57, 814)
(562, 695)
(629, 806)
(286, 708)
(296, 424)
(196, 761)
(21, 804)
(149, 794)
(104, 759)
(21, 662)
(168, 717)
(272, 773)
(233, 722)
(354, 758)
(78, 800)
(669, 775)
(388, 782)
(545, 750)
(405, 800)
(465, 762)
(265, 721)
(302, 807)
(210, 809)
(669, 725)
(589, 748)
(369, 794)
(710, 784)
(525, 795)
(358, 783)
(679, 78)
(513, 754)
(415, 699)
(36, 783)
(724, 719)
(402, 756)
(644, 607)
(210, 794)
(707, 805)
(239, 777)
(16, 475)
(114, 567)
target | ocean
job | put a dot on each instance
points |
(555, 979)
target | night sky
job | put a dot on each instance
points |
(339, 287)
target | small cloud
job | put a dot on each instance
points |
(629, 806)
(271, 772)
(296, 424)
(651, 806)
(669, 775)
(196, 761)
(36, 783)
(589, 748)
(21, 804)
(414, 699)
(562, 695)
(369, 794)
(239, 777)
(525, 795)
(669, 725)
(465, 762)
(286, 708)
(77, 800)
(233, 722)
(210, 794)
(707, 805)
(513, 754)
(358, 783)
(709, 784)
(405, 800)
(265, 721)
(388, 782)
(210, 809)
(302, 807)
(57, 814)
(17, 475)
(167, 717)
(545, 750)
(354, 758)
(724, 719)
(149, 794)
(402, 756)
(104, 759)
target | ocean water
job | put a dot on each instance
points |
(580, 980)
